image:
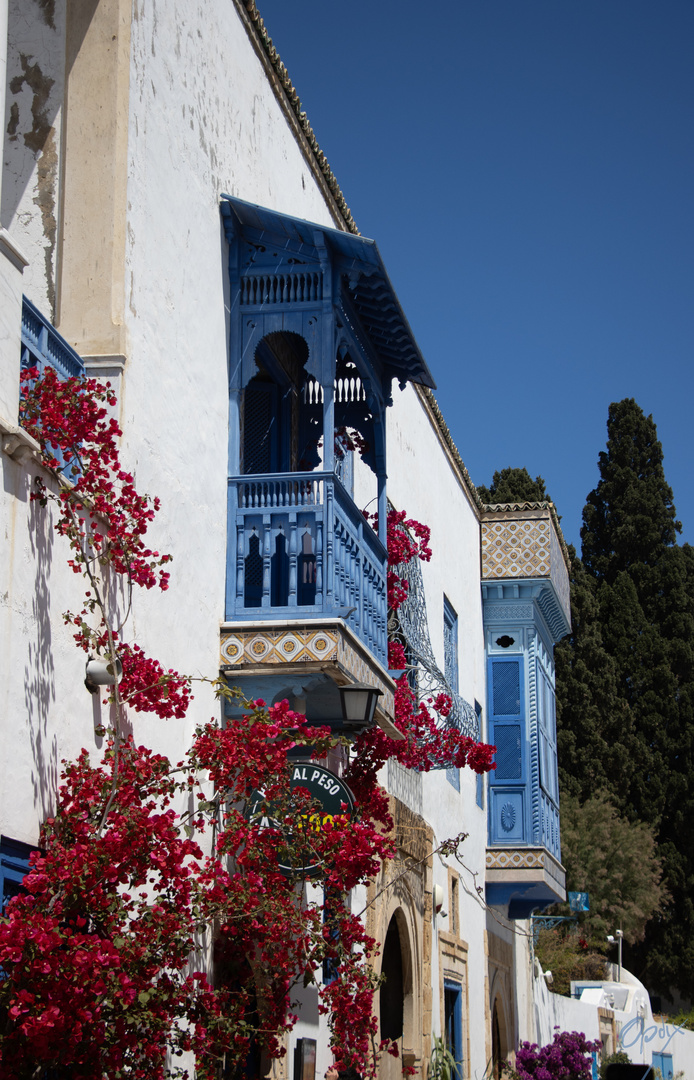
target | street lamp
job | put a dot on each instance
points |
(358, 702)
(611, 939)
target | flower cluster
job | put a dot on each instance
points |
(407, 539)
(104, 956)
(101, 513)
(104, 519)
(567, 1057)
(427, 744)
(97, 952)
(148, 687)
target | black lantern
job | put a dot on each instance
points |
(358, 706)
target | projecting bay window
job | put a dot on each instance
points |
(316, 338)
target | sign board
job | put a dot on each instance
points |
(325, 788)
(578, 901)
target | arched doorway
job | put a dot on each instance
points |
(392, 992)
(500, 1047)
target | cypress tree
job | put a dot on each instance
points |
(642, 583)
(595, 726)
(630, 517)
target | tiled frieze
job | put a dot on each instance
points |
(330, 646)
(508, 859)
(268, 646)
(515, 859)
(513, 548)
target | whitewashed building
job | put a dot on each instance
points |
(172, 225)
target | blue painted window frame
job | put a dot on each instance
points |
(507, 792)
(41, 347)
(14, 864)
(453, 1024)
(450, 663)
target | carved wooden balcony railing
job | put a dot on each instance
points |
(304, 549)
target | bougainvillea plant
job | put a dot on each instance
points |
(567, 1057)
(151, 873)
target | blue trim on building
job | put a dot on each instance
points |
(14, 864)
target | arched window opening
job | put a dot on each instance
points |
(392, 993)
(282, 414)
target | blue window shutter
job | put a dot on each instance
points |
(546, 715)
(450, 662)
(507, 718)
(260, 427)
(450, 644)
(43, 346)
(14, 864)
(508, 810)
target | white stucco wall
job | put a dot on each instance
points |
(32, 134)
(639, 1033)
(203, 119)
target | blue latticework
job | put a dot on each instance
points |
(430, 680)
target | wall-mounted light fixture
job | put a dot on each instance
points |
(358, 702)
(100, 672)
(437, 901)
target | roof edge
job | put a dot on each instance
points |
(432, 406)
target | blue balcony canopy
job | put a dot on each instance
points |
(360, 290)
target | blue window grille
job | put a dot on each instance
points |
(450, 661)
(14, 864)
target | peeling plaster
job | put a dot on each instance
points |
(41, 85)
(41, 140)
(47, 9)
(45, 200)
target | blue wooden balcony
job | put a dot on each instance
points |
(43, 346)
(302, 549)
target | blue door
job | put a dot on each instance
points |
(453, 1023)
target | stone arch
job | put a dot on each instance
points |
(399, 1017)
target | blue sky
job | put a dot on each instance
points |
(527, 170)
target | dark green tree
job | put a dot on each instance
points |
(595, 726)
(626, 677)
(514, 485)
(629, 518)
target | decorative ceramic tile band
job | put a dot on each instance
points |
(279, 646)
(515, 859)
(512, 549)
(300, 645)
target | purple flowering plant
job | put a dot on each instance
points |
(567, 1057)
